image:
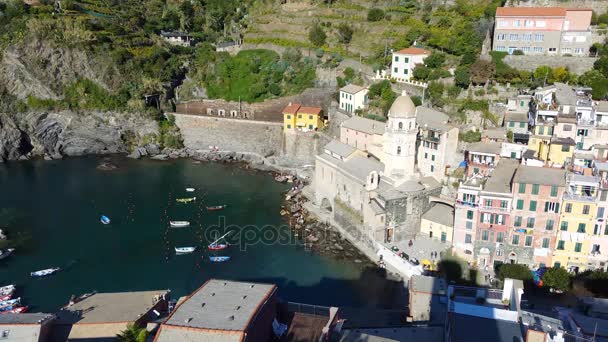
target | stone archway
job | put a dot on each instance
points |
(512, 258)
(326, 204)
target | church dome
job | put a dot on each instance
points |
(403, 107)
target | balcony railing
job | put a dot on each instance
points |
(467, 203)
(495, 208)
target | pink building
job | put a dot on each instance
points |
(482, 157)
(537, 194)
(543, 30)
(466, 217)
(363, 134)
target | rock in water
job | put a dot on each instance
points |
(160, 157)
(152, 149)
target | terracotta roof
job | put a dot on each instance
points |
(310, 110)
(530, 12)
(414, 51)
(292, 108)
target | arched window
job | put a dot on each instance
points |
(398, 150)
(400, 125)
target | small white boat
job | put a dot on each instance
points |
(6, 253)
(178, 224)
(190, 189)
(184, 250)
(7, 289)
(43, 273)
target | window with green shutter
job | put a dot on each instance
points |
(553, 191)
(568, 208)
(535, 188)
(488, 202)
(500, 237)
(515, 240)
(563, 225)
(532, 205)
(520, 204)
(484, 235)
(560, 245)
(503, 204)
(517, 221)
(522, 125)
(530, 223)
(512, 124)
(578, 247)
(606, 229)
(549, 225)
(581, 228)
(522, 188)
(546, 243)
(528, 241)
(470, 214)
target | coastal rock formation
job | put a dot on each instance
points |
(69, 133)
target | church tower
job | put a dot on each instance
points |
(400, 140)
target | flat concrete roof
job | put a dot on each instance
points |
(109, 308)
(24, 318)
(500, 180)
(428, 118)
(396, 334)
(483, 147)
(341, 149)
(426, 284)
(516, 117)
(494, 133)
(221, 305)
(440, 213)
(352, 88)
(470, 328)
(540, 175)
(365, 125)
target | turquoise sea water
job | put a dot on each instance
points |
(52, 209)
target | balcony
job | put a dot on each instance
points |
(467, 204)
(500, 209)
(430, 137)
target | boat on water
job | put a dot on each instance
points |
(178, 224)
(104, 219)
(7, 288)
(216, 207)
(190, 189)
(6, 296)
(219, 258)
(17, 310)
(10, 302)
(216, 246)
(184, 250)
(6, 253)
(44, 273)
(186, 200)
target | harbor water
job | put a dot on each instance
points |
(51, 212)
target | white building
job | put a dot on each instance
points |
(353, 97)
(438, 143)
(404, 62)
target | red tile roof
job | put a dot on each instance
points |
(310, 110)
(414, 51)
(292, 108)
(530, 12)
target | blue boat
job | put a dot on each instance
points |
(104, 219)
(219, 258)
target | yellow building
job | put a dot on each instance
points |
(577, 221)
(561, 150)
(295, 116)
(540, 140)
(438, 223)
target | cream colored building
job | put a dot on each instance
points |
(438, 223)
(352, 98)
(438, 143)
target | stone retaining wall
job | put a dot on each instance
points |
(577, 65)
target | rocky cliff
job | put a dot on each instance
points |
(42, 70)
(67, 133)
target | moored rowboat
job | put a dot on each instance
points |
(217, 246)
(219, 258)
(17, 310)
(43, 273)
(186, 200)
(190, 189)
(104, 219)
(184, 250)
(216, 207)
(178, 224)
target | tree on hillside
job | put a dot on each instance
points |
(557, 278)
(133, 333)
(345, 33)
(421, 72)
(514, 271)
(462, 77)
(481, 71)
(316, 35)
(435, 93)
(375, 14)
(435, 60)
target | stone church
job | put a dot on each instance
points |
(377, 195)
